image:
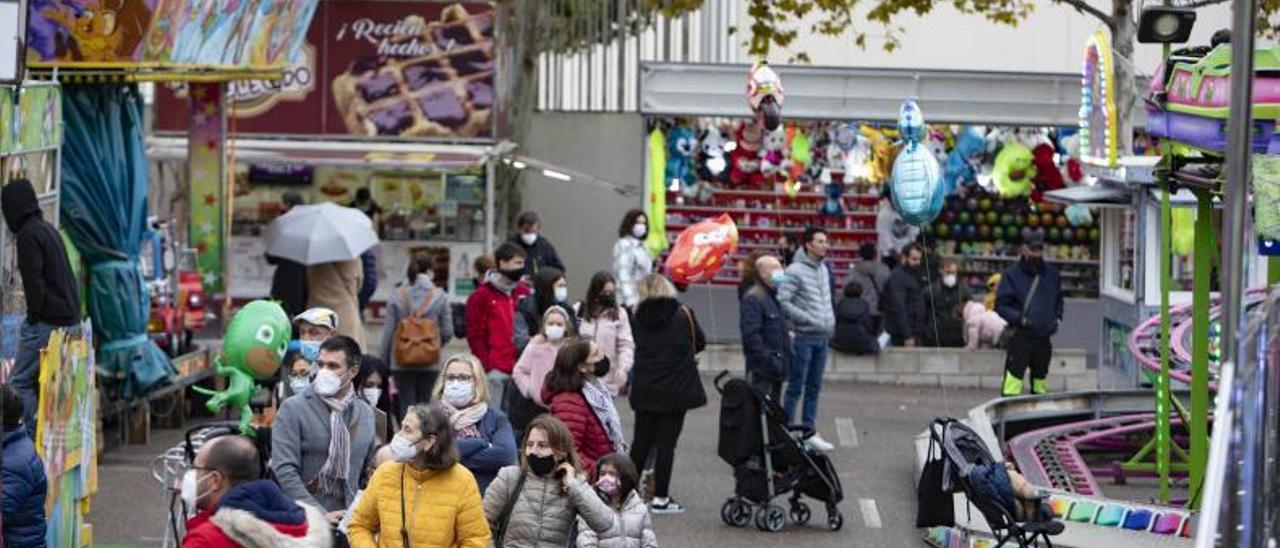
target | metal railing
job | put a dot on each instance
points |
(597, 66)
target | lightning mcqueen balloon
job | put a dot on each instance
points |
(701, 250)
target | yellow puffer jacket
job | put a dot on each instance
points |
(443, 506)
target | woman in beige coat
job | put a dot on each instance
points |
(536, 503)
(336, 286)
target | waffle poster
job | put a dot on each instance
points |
(397, 70)
(258, 34)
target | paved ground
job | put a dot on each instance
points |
(874, 463)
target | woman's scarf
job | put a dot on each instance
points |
(597, 396)
(464, 420)
(333, 476)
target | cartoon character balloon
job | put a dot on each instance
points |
(765, 95)
(701, 249)
(251, 351)
(917, 191)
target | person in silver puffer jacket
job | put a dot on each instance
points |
(537, 503)
(616, 481)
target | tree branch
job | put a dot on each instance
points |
(1202, 3)
(1084, 7)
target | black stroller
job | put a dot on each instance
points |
(770, 459)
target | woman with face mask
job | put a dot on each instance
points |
(295, 374)
(537, 503)
(484, 438)
(425, 498)
(578, 397)
(372, 383)
(538, 358)
(631, 260)
(608, 324)
(616, 481)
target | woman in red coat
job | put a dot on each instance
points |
(578, 397)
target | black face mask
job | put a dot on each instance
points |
(1034, 265)
(602, 367)
(608, 300)
(512, 274)
(541, 466)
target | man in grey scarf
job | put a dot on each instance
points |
(322, 439)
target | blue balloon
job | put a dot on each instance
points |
(917, 190)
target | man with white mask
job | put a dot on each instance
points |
(323, 438)
(538, 250)
(947, 297)
(236, 508)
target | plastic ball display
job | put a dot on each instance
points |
(1046, 219)
(997, 232)
(963, 217)
(984, 204)
(1062, 221)
(1006, 219)
(942, 230)
(949, 216)
(1068, 235)
(957, 230)
(970, 232)
(971, 204)
(993, 217)
(984, 232)
(1032, 220)
(1055, 234)
(1094, 234)
(1027, 231)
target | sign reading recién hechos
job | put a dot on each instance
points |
(387, 69)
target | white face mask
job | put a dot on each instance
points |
(298, 384)
(638, 230)
(327, 383)
(190, 489)
(459, 393)
(528, 238)
(949, 280)
(553, 332)
(401, 449)
(371, 395)
(562, 294)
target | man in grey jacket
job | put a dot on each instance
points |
(805, 296)
(322, 439)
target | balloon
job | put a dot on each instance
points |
(252, 349)
(701, 249)
(916, 190)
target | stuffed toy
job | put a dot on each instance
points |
(960, 161)
(1079, 215)
(680, 145)
(801, 152)
(1047, 176)
(883, 153)
(1014, 170)
(656, 210)
(818, 157)
(773, 155)
(712, 165)
(831, 206)
(744, 160)
(252, 349)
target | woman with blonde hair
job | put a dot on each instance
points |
(536, 503)
(665, 382)
(484, 439)
(425, 498)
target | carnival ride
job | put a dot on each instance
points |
(1096, 453)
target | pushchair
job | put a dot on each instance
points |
(969, 467)
(770, 459)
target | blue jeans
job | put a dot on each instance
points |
(25, 377)
(806, 374)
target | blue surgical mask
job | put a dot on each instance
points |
(310, 350)
(778, 277)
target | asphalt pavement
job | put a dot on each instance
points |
(871, 425)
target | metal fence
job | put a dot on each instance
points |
(613, 37)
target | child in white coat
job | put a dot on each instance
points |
(615, 482)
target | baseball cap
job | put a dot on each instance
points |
(318, 316)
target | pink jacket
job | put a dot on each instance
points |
(982, 327)
(614, 337)
(538, 359)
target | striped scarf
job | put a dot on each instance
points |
(333, 476)
(601, 403)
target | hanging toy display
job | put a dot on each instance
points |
(712, 165)
(831, 206)
(916, 190)
(774, 164)
(680, 145)
(801, 153)
(744, 160)
(701, 249)
(1014, 170)
(251, 351)
(765, 96)
(1047, 177)
(960, 168)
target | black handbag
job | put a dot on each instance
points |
(934, 507)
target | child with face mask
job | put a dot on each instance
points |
(484, 438)
(537, 502)
(425, 498)
(616, 481)
(535, 362)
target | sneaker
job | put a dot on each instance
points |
(668, 507)
(820, 444)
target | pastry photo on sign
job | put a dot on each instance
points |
(420, 78)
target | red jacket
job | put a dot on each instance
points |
(246, 519)
(589, 436)
(491, 321)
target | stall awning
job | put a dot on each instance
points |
(338, 153)
(1092, 196)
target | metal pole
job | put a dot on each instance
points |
(1164, 436)
(1239, 124)
(489, 174)
(1199, 427)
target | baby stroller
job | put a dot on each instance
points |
(770, 459)
(969, 467)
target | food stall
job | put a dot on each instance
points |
(396, 98)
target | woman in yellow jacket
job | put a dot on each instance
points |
(427, 484)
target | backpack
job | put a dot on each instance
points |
(417, 342)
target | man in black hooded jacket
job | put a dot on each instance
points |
(52, 297)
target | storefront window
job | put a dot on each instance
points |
(1120, 255)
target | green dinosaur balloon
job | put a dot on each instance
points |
(251, 351)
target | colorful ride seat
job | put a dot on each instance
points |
(1059, 506)
(1083, 511)
(1167, 523)
(1192, 107)
(1110, 516)
(1138, 519)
